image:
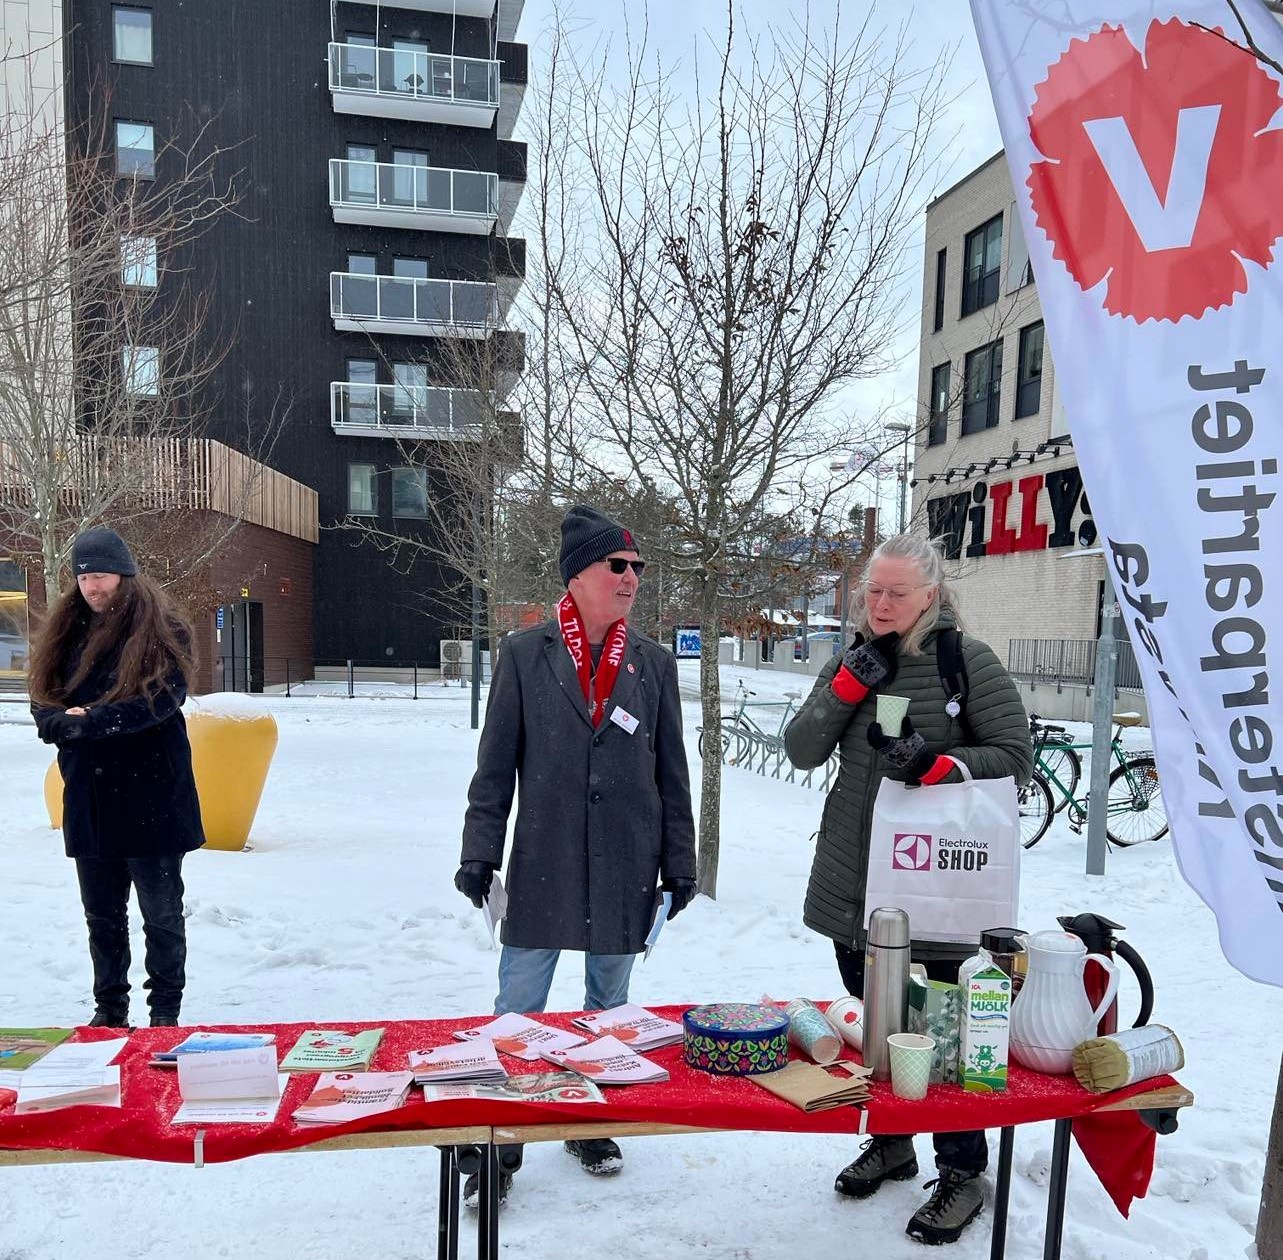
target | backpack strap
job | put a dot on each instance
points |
(952, 668)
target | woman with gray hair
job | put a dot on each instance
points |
(905, 616)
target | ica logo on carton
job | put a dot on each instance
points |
(986, 1022)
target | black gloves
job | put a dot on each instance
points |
(683, 890)
(58, 728)
(908, 753)
(472, 879)
(874, 663)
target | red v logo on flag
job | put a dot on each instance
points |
(1169, 222)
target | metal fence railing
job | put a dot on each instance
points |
(1061, 662)
(295, 677)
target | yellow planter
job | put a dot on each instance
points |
(233, 741)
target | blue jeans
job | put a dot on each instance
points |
(525, 976)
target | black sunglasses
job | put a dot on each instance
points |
(618, 565)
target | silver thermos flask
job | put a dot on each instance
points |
(886, 986)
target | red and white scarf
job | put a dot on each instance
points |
(575, 637)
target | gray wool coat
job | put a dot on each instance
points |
(602, 815)
(999, 746)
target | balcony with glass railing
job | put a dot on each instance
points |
(408, 411)
(428, 198)
(419, 86)
(412, 307)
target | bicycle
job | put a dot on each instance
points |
(739, 729)
(1134, 809)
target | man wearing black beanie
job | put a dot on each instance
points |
(584, 715)
(109, 673)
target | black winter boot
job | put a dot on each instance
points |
(884, 1158)
(953, 1205)
(104, 1018)
(599, 1156)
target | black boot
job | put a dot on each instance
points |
(159, 1020)
(105, 1018)
(884, 1158)
(954, 1203)
(599, 1156)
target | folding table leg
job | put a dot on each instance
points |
(448, 1205)
(488, 1204)
(1056, 1190)
(1002, 1193)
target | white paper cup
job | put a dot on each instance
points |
(846, 1014)
(911, 1055)
(891, 711)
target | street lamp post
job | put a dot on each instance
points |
(897, 426)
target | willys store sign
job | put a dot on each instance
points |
(1146, 154)
(1002, 518)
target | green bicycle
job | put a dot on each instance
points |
(1134, 808)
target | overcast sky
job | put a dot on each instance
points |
(677, 26)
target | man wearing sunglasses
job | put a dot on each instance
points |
(585, 720)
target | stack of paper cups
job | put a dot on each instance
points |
(891, 711)
(811, 1032)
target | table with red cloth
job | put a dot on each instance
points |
(1116, 1141)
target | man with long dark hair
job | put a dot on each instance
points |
(109, 672)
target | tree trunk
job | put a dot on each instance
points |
(710, 696)
(1269, 1224)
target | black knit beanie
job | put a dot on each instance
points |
(102, 550)
(587, 536)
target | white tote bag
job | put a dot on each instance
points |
(948, 856)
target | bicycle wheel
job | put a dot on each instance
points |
(1134, 810)
(1036, 810)
(1065, 766)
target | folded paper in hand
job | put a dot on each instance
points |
(494, 909)
(814, 1088)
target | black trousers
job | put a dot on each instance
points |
(104, 893)
(966, 1151)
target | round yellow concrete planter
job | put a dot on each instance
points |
(233, 740)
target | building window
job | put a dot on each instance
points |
(135, 149)
(140, 369)
(361, 264)
(138, 261)
(981, 388)
(411, 392)
(410, 493)
(362, 490)
(362, 392)
(1029, 372)
(981, 260)
(131, 35)
(938, 430)
(940, 275)
(1020, 271)
(360, 175)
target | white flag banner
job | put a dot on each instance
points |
(1147, 159)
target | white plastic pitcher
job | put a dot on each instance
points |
(1052, 1013)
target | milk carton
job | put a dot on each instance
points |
(986, 1022)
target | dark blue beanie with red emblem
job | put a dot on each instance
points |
(587, 536)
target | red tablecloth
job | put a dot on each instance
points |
(1119, 1147)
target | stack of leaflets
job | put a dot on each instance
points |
(607, 1061)
(229, 1086)
(551, 1087)
(634, 1025)
(205, 1042)
(521, 1036)
(343, 1096)
(72, 1075)
(323, 1050)
(21, 1047)
(476, 1061)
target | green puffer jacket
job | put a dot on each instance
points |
(1001, 747)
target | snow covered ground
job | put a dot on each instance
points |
(344, 909)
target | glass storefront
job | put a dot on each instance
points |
(13, 619)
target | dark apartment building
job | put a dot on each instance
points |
(377, 175)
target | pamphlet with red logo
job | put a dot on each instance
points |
(521, 1036)
(322, 1049)
(343, 1096)
(551, 1087)
(475, 1061)
(633, 1025)
(607, 1061)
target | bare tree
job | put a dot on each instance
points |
(746, 264)
(108, 352)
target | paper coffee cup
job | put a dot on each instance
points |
(911, 1055)
(891, 711)
(846, 1014)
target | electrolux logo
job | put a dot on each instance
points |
(1162, 173)
(911, 851)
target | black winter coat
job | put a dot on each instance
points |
(601, 814)
(128, 790)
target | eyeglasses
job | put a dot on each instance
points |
(874, 593)
(618, 565)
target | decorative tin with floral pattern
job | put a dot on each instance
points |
(736, 1038)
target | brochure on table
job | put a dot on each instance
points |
(343, 1096)
(229, 1087)
(473, 1061)
(205, 1042)
(72, 1075)
(521, 1036)
(634, 1025)
(325, 1050)
(21, 1047)
(549, 1087)
(607, 1061)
